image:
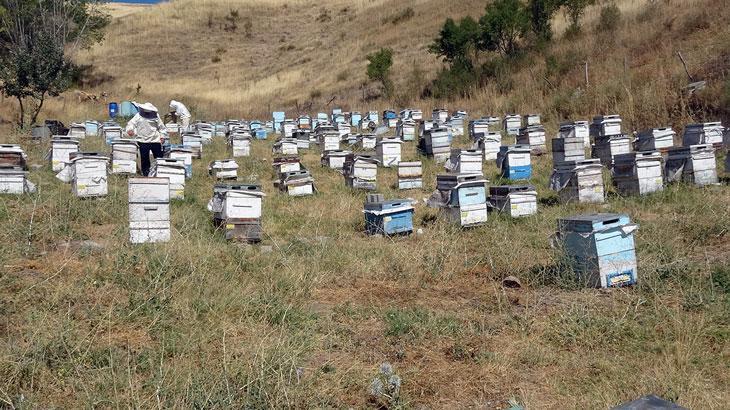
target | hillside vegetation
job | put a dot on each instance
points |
(306, 318)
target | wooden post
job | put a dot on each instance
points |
(586, 73)
(684, 63)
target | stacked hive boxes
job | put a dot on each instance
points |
(695, 164)
(406, 130)
(435, 142)
(607, 139)
(285, 146)
(303, 138)
(465, 161)
(223, 169)
(367, 141)
(514, 162)
(463, 198)
(77, 130)
(512, 124)
(14, 180)
(703, 133)
(569, 148)
(124, 156)
(334, 159)
(638, 173)
(13, 154)
(174, 171)
(531, 119)
(579, 181)
(61, 150)
(237, 209)
(296, 183)
(240, 143)
(388, 151)
(534, 137)
(149, 210)
(391, 217)
(111, 131)
(515, 200)
(600, 248)
(477, 128)
(183, 153)
(87, 171)
(360, 171)
(489, 145)
(410, 175)
(194, 142)
(655, 139)
(578, 129)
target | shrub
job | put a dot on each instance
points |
(504, 25)
(378, 69)
(610, 18)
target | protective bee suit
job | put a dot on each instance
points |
(149, 131)
(182, 113)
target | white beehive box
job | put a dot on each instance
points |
(607, 147)
(174, 171)
(605, 125)
(242, 204)
(223, 169)
(334, 159)
(14, 180)
(465, 161)
(638, 173)
(388, 151)
(440, 115)
(478, 128)
(534, 136)
(61, 150)
(532, 119)
(703, 133)
(89, 176)
(329, 141)
(124, 156)
(515, 200)
(467, 215)
(579, 129)
(194, 142)
(286, 146)
(368, 141)
(184, 154)
(512, 124)
(489, 144)
(77, 130)
(406, 130)
(579, 181)
(410, 175)
(695, 164)
(240, 146)
(655, 139)
(149, 210)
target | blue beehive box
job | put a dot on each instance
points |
(388, 217)
(260, 133)
(355, 118)
(514, 162)
(279, 117)
(254, 125)
(600, 248)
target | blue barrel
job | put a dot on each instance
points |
(113, 110)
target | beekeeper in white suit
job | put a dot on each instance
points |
(149, 131)
(182, 113)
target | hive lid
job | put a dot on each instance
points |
(588, 223)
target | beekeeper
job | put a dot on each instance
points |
(182, 113)
(147, 128)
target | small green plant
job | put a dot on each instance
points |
(379, 64)
(385, 388)
(610, 18)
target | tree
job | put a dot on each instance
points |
(35, 40)
(457, 43)
(503, 25)
(379, 68)
(575, 10)
(541, 13)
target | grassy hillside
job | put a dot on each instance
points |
(306, 318)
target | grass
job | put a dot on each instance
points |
(202, 322)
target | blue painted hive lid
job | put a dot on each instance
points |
(392, 205)
(589, 223)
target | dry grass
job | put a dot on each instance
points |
(202, 322)
(199, 322)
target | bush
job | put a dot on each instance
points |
(610, 18)
(456, 80)
(378, 69)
